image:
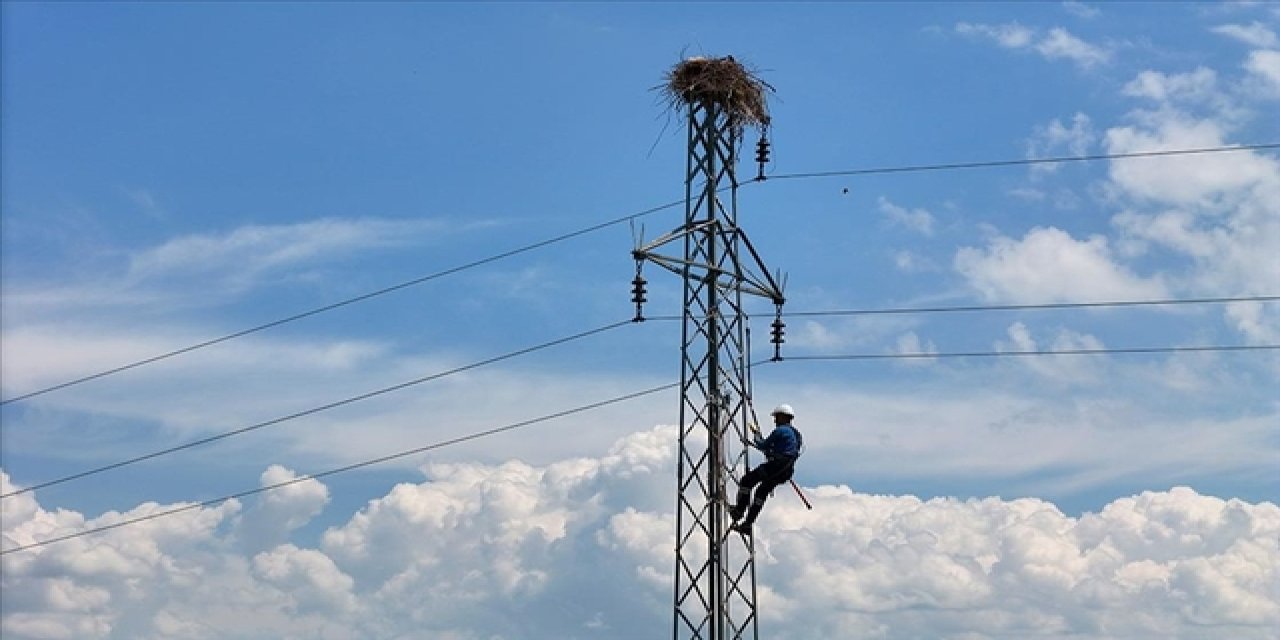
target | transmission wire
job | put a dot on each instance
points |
(1025, 161)
(314, 410)
(580, 409)
(350, 467)
(1010, 307)
(346, 302)
(1025, 307)
(1056, 352)
(590, 229)
(900, 310)
(799, 314)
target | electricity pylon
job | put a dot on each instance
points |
(715, 582)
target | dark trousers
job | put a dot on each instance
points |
(764, 479)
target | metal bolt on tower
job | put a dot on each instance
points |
(715, 589)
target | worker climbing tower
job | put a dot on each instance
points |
(715, 590)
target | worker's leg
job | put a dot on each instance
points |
(751, 479)
(772, 474)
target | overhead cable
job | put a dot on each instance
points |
(1025, 161)
(350, 467)
(346, 302)
(315, 410)
(581, 409)
(589, 407)
(1010, 307)
(1026, 307)
(1055, 352)
(899, 310)
(609, 223)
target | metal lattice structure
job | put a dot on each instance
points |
(715, 582)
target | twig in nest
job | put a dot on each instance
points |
(723, 81)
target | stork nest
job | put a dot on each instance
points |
(722, 81)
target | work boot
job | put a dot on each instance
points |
(743, 527)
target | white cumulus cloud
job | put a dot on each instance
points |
(918, 220)
(582, 548)
(1059, 43)
(1265, 69)
(1187, 179)
(280, 511)
(1254, 34)
(1047, 265)
(1163, 87)
(1055, 137)
(910, 344)
(1081, 9)
(1055, 44)
(1066, 368)
(243, 254)
(1217, 214)
(307, 578)
(1010, 35)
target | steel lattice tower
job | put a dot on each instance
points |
(715, 583)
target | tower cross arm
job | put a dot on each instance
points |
(766, 285)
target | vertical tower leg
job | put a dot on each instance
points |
(715, 577)
(715, 588)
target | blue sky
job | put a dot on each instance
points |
(177, 172)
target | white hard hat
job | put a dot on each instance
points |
(784, 409)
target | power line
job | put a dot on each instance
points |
(900, 310)
(589, 407)
(1009, 307)
(350, 467)
(346, 302)
(315, 410)
(1057, 352)
(596, 405)
(1025, 307)
(1025, 161)
(609, 223)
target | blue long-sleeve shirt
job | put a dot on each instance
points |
(784, 442)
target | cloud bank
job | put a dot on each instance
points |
(582, 548)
